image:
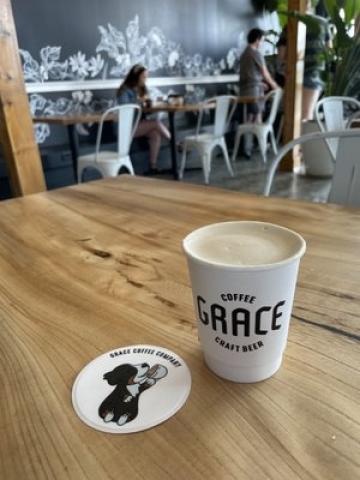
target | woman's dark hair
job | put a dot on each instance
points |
(132, 80)
(254, 35)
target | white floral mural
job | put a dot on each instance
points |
(118, 51)
(76, 67)
(115, 53)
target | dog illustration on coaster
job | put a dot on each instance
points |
(122, 405)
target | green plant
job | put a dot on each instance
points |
(344, 55)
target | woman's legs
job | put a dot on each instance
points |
(154, 138)
(154, 130)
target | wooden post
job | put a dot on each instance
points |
(296, 33)
(16, 129)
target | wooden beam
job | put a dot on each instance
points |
(16, 129)
(296, 33)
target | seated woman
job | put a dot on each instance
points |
(133, 90)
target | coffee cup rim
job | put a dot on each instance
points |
(266, 266)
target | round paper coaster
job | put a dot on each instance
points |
(131, 389)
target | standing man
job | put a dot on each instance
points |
(254, 78)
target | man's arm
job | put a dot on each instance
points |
(260, 60)
(268, 78)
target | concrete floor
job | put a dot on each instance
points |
(250, 177)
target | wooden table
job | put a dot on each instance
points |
(71, 120)
(93, 267)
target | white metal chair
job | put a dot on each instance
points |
(109, 163)
(345, 187)
(261, 130)
(205, 143)
(330, 114)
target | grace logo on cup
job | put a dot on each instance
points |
(239, 321)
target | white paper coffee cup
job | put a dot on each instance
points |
(243, 310)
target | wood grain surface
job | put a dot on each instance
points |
(90, 268)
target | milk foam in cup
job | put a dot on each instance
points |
(243, 277)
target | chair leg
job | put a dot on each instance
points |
(262, 139)
(79, 174)
(129, 166)
(224, 149)
(248, 143)
(273, 141)
(183, 162)
(236, 145)
(126, 162)
(206, 163)
(129, 169)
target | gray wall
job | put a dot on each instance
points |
(205, 26)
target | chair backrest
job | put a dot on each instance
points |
(334, 118)
(345, 188)
(274, 97)
(128, 117)
(225, 106)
